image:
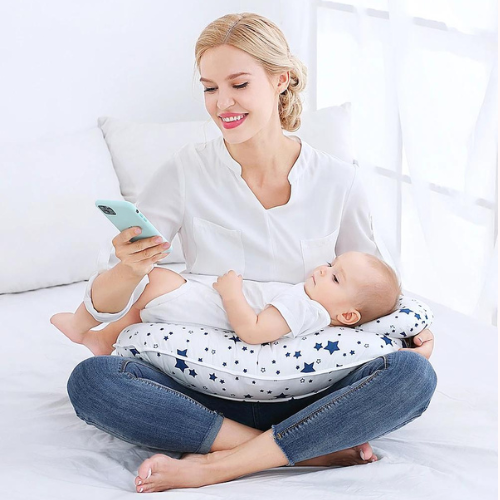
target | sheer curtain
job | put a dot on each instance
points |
(422, 79)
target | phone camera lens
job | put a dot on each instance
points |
(137, 211)
(107, 210)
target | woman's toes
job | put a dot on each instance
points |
(365, 452)
(146, 468)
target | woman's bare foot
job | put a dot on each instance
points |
(93, 340)
(160, 472)
(357, 455)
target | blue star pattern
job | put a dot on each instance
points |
(332, 347)
(216, 361)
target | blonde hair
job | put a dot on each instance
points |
(264, 41)
(379, 294)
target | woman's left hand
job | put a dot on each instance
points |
(423, 343)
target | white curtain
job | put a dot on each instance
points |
(422, 79)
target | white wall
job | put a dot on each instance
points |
(63, 63)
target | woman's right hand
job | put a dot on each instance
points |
(139, 257)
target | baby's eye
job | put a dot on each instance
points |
(334, 278)
(329, 264)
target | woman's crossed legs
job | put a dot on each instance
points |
(139, 404)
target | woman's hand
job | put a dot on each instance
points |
(138, 257)
(423, 343)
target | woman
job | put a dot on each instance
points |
(270, 207)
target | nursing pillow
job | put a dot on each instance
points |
(216, 362)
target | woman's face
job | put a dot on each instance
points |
(250, 99)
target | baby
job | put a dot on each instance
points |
(355, 288)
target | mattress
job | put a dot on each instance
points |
(46, 452)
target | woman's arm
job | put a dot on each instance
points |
(111, 290)
(162, 200)
(250, 327)
(356, 228)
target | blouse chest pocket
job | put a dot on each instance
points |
(318, 251)
(218, 249)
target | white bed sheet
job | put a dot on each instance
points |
(46, 452)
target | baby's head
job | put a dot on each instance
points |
(355, 288)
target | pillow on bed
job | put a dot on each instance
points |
(217, 362)
(53, 232)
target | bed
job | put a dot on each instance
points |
(48, 453)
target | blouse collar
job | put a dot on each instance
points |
(295, 172)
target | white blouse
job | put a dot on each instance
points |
(200, 194)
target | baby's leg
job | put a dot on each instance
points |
(75, 325)
(161, 281)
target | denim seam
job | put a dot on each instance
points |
(291, 463)
(331, 403)
(210, 431)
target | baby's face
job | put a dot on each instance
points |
(335, 285)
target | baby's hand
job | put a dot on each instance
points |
(229, 285)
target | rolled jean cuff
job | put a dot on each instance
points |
(111, 317)
(211, 434)
(276, 440)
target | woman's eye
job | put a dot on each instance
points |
(212, 89)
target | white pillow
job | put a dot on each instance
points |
(329, 130)
(217, 362)
(52, 231)
(138, 149)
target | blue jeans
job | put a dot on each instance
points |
(138, 403)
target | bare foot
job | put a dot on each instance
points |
(93, 340)
(66, 323)
(160, 473)
(357, 455)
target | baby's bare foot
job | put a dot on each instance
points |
(66, 323)
(92, 340)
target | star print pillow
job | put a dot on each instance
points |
(217, 362)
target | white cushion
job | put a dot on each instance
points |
(138, 149)
(53, 232)
(328, 129)
(217, 362)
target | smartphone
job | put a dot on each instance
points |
(124, 214)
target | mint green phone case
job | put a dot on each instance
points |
(124, 214)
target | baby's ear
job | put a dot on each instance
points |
(349, 318)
